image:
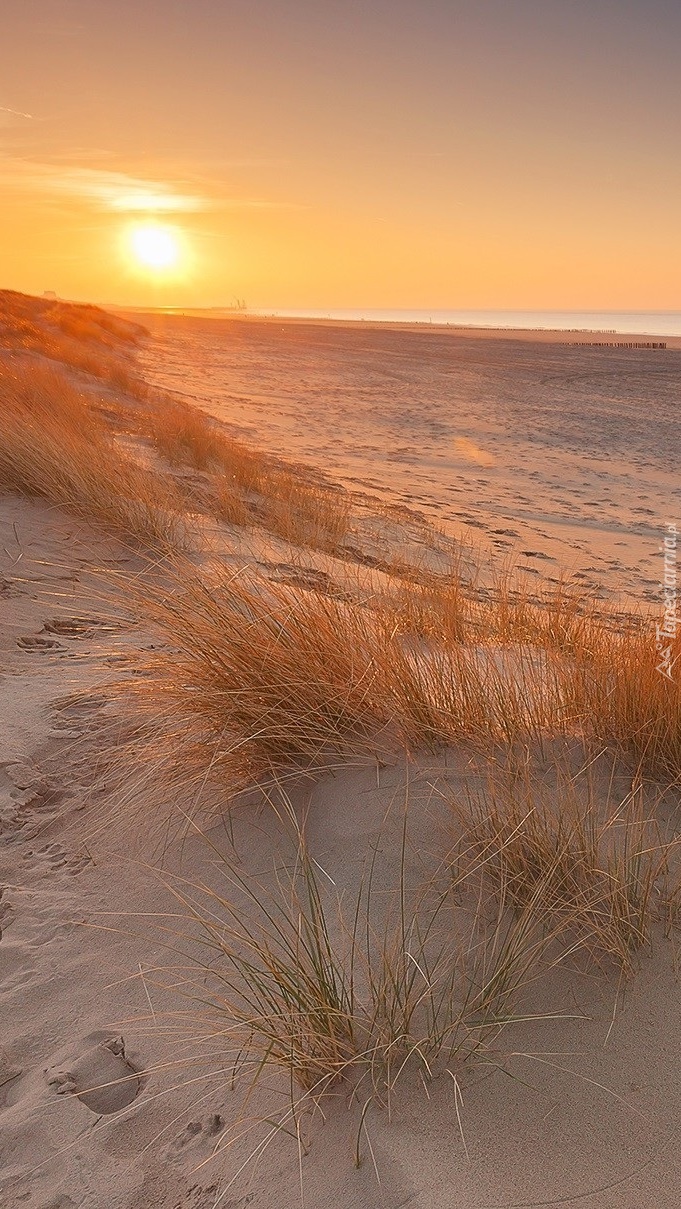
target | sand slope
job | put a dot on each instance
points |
(559, 457)
(93, 1113)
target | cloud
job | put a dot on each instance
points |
(16, 113)
(106, 189)
(13, 118)
(119, 191)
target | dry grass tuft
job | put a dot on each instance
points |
(288, 976)
(249, 487)
(279, 676)
(184, 435)
(586, 868)
(433, 607)
(616, 686)
(555, 616)
(55, 447)
(269, 676)
(304, 513)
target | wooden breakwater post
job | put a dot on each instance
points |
(617, 343)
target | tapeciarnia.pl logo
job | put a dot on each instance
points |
(665, 633)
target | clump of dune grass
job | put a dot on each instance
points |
(304, 512)
(277, 676)
(447, 607)
(247, 486)
(557, 616)
(433, 607)
(483, 693)
(284, 975)
(504, 662)
(269, 675)
(55, 447)
(616, 683)
(584, 866)
(184, 435)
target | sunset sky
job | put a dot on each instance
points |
(343, 153)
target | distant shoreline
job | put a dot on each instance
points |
(572, 336)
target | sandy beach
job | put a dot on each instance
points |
(561, 458)
(129, 1076)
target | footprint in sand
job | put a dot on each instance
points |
(29, 642)
(103, 1078)
(74, 714)
(22, 776)
(33, 800)
(299, 577)
(75, 627)
(7, 587)
(207, 1127)
(55, 857)
(201, 1197)
(7, 912)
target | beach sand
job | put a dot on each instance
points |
(559, 457)
(106, 1102)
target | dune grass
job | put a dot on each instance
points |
(550, 661)
(252, 679)
(55, 447)
(283, 676)
(587, 866)
(263, 672)
(432, 607)
(287, 675)
(81, 337)
(615, 684)
(367, 989)
(402, 971)
(247, 486)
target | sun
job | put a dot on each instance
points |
(154, 246)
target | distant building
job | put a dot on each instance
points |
(50, 294)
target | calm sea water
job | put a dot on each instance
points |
(652, 323)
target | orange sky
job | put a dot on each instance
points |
(344, 153)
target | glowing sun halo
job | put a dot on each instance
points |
(154, 247)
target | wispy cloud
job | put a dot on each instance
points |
(14, 121)
(104, 188)
(121, 192)
(15, 113)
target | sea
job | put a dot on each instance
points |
(651, 323)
